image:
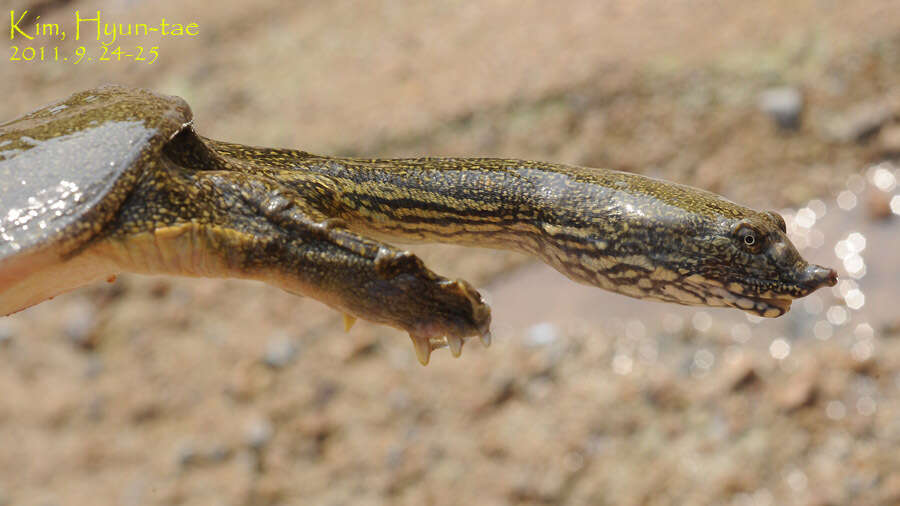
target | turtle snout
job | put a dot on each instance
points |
(814, 277)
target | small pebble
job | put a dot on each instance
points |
(259, 433)
(740, 373)
(218, 453)
(7, 332)
(799, 391)
(280, 351)
(186, 455)
(860, 122)
(784, 104)
(80, 322)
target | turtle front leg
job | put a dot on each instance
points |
(373, 281)
(227, 224)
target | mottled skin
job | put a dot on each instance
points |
(189, 205)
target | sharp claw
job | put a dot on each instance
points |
(486, 338)
(456, 344)
(423, 349)
(348, 322)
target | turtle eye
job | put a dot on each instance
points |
(778, 220)
(749, 237)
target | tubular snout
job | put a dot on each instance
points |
(814, 277)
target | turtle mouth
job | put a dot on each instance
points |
(767, 307)
(773, 303)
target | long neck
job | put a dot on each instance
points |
(486, 202)
(474, 201)
(582, 221)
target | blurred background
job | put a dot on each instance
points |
(185, 391)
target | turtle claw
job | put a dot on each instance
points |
(425, 345)
(485, 338)
(455, 343)
(423, 348)
(349, 320)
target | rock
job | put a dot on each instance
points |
(186, 455)
(663, 391)
(160, 288)
(80, 324)
(315, 429)
(739, 374)
(218, 453)
(500, 391)
(785, 106)
(860, 122)
(7, 332)
(247, 379)
(798, 391)
(259, 433)
(189, 454)
(280, 351)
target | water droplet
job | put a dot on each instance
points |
(813, 304)
(815, 239)
(701, 321)
(864, 331)
(846, 200)
(704, 359)
(866, 406)
(818, 207)
(800, 237)
(844, 287)
(862, 350)
(842, 249)
(857, 242)
(882, 178)
(823, 330)
(780, 349)
(836, 315)
(895, 204)
(855, 266)
(805, 218)
(855, 299)
(741, 333)
(856, 183)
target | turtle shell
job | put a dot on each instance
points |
(67, 167)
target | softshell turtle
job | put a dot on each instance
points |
(115, 179)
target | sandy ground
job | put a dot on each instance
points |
(177, 391)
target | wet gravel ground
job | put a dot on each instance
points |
(181, 391)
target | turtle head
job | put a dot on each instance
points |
(750, 264)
